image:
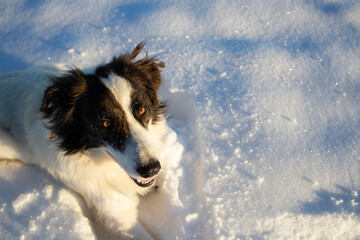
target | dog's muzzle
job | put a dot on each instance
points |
(148, 172)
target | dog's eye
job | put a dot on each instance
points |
(106, 124)
(142, 111)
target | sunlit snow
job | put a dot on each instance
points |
(263, 97)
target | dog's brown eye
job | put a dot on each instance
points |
(142, 111)
(106, 124)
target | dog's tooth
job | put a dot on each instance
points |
(142, 182)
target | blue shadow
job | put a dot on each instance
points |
(346, 200)
(134, 11)
(328, 8)
(239, 45)
(9, 63)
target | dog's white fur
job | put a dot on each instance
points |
(103, 182)
(145, 141)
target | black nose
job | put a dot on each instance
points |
(149, 170)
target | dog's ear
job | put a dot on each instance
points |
(145, 71)
(62, 95)
(59, 108)
(149, 66)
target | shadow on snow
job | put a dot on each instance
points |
(344, 200)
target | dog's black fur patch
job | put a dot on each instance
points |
(144, 76)
(77, 105)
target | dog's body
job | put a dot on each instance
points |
(100, 133)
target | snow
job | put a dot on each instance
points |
(264, 100)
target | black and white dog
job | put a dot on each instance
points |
(99, 132)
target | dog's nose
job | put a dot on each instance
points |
(149, 170)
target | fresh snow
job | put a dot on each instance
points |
(264, 102)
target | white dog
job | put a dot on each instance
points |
(99, 132)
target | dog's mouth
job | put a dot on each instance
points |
(144, 183)
(140, 182)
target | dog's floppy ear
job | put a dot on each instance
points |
(59, 107)
(63, 94)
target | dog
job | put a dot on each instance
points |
(98, 131)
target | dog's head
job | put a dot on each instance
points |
(115, 109)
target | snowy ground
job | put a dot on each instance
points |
(273, 121)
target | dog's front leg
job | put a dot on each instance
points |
(118, 214)
(115, 210)
(139, 232)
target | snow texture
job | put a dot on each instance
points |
(264, 100)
